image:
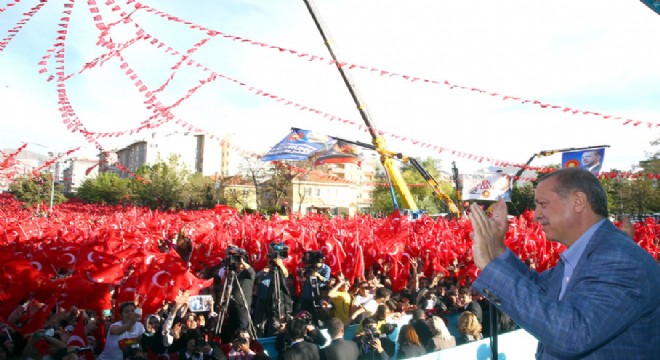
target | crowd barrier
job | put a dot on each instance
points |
(514, 345)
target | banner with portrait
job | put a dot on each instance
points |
(590, 159)
(298, 145)
(307, 145)
(486, 186)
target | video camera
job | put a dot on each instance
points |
(233, 258)
(371, 333)
(311, 258)
(278, 251)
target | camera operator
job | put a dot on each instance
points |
(371, 343)
(274, 302)
(238, 310)
(315, 276)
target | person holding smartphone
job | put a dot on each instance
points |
(123, 334)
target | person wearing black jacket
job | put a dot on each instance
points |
(238, 309)
(273, 302)
(339, 349)
(371, 343)
(299, 348)
(312, 334)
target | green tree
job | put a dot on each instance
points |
(522, 198)
(160, 185)
(199, 192)
(37, 190)
(107, 188)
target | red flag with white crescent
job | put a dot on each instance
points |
(79, 339)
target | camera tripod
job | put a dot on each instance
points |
(314, 307)
(274, 307)
(280, 312)
(231, 280)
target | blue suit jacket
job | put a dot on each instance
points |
(611, 308)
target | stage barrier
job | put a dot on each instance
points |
(515, 345)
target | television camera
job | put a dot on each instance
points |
(233, 257)
(311, 258)
(278, 251)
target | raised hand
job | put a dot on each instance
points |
(488, 232)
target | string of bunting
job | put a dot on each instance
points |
(137, 177)
(67, 112)
(27, 16)
(160, 44)
(381, 72)
(36, 171)
(267, 94)
(10, 159)
(73, 123)
(14, 3)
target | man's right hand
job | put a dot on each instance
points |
(488, 233)
(377, 345)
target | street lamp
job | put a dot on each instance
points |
(52, 181)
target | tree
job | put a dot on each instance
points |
(276, 190)
(37, 190)
(107, 188)
(257, 172)
(522, 198)
(160, 185)
(199, 192)
(635, 194)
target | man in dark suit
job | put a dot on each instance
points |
(468, 304)
(339, 349)
(591, 160)
(599, 302)
(300, 349)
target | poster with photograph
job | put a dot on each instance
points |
(200, 303)
(486, 186)
(590, 159)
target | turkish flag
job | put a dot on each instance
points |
(358, 265)
(79, 338)
(37, 316)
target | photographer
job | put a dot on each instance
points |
(243, 347)
(197, 349)
(315, 276)
(274, 302)
(238, 270)
(371, 343)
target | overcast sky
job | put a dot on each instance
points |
(588, 55)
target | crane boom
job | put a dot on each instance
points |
(378, 141)
(379, 144)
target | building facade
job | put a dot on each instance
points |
(77, 172)
(196, 152)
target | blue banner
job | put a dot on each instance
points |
(590, 159)
(298, 145)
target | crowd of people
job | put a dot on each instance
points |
(247, 305)
(116, 283)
